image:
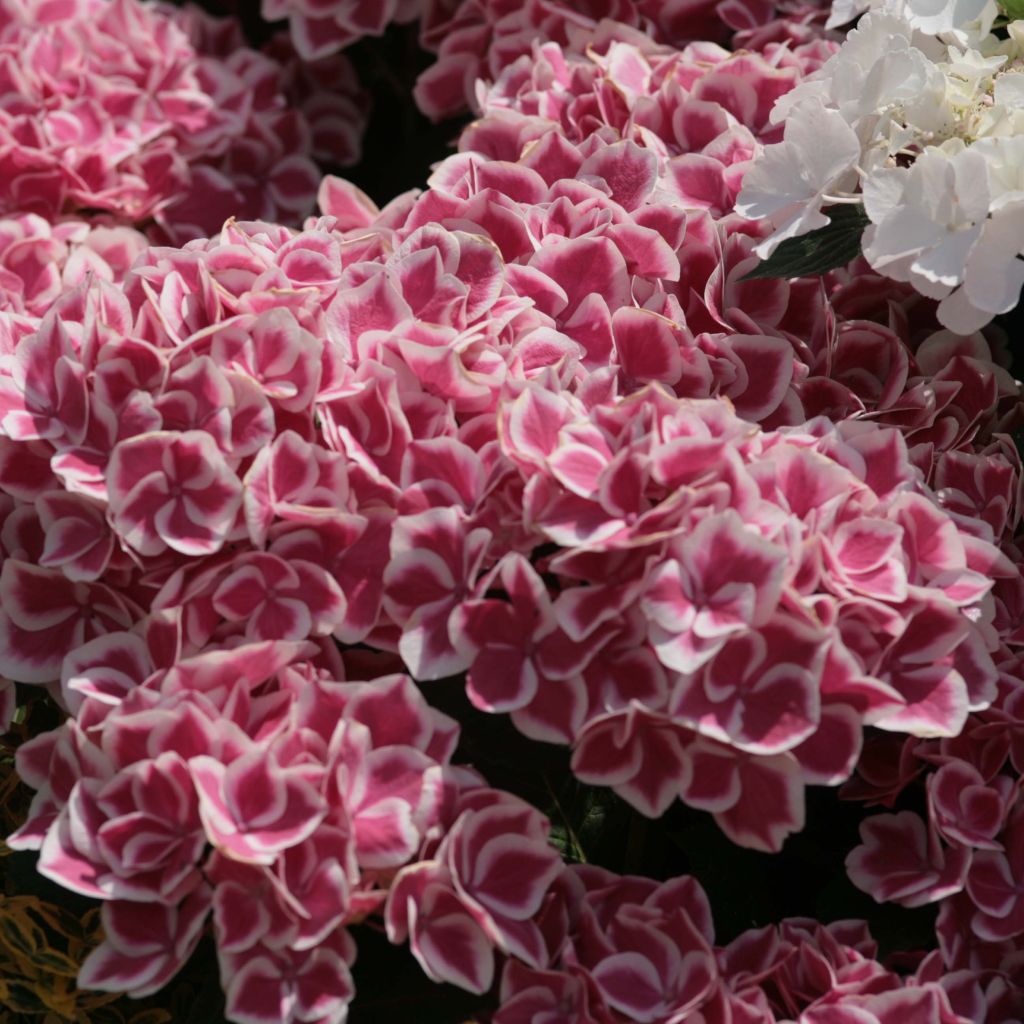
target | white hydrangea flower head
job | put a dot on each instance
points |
(789, 183)
(921, 120)
(877, 69)
(927, 218)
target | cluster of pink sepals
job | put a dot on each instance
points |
(153, 116)
(530, 425)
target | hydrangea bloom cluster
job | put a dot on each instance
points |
(477, 39)
(648, 145)
(244, 785)
(148, 114)
(532, 427)
(253, 789)
(764, 597)
(639, 951)
(916, 118)
(964, 851)
(319, 28)
(480, 38)
(40, 261)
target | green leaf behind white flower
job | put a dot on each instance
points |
(818, 251)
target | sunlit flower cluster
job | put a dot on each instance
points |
(531, 427)
(917, 117)
(274, 441)
(963, 849)
(477, 39)
(266, 793)
(150, 115)
(637, 951)
(40, 260)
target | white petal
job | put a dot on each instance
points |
(994, 274)
(818, 148)
(905, 232)
(956, 312)
(844, 11)
(1009, 91)
(934, 16)
(883, 193)
(946, 262)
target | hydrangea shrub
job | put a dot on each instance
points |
(266, 492)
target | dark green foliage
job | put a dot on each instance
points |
(818, 251)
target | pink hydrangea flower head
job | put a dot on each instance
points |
(215, 126)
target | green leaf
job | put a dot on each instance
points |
(818, 251)
(1014, 8)
(593, 818)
